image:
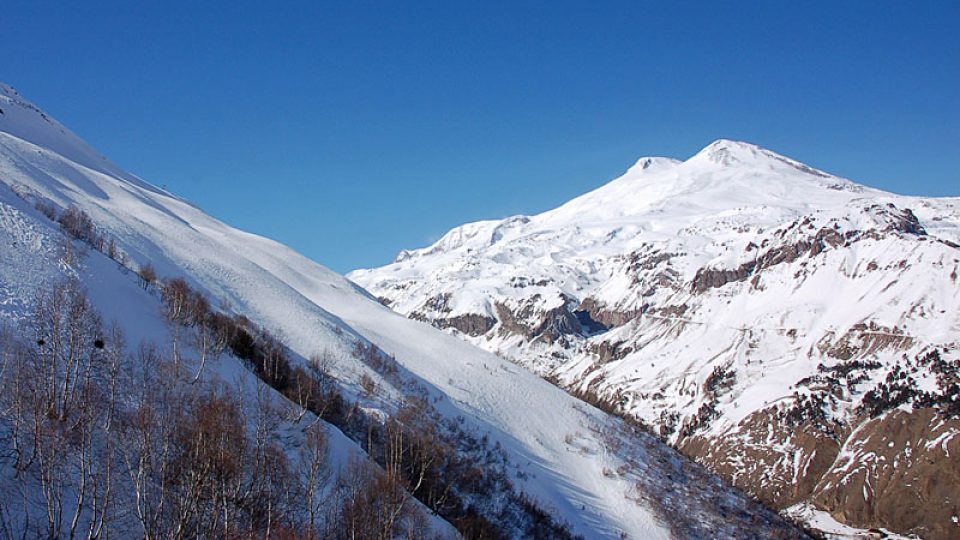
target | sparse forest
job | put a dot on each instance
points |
(101, 441)
(104, 441)
(152, 443)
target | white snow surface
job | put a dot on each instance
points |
(833, 529)
(313, 308)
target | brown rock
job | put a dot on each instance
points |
(900, 472)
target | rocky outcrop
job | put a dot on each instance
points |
(609, 318)
(651, 270)
(436, 311)
(549, 326)
(863, 339)
(903, 221)
(768, 457)
(608, 352)
(439, 303)
(711, 278)
(471, 324)
(900, 472)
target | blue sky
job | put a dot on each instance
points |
(350, 130)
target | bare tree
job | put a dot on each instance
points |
(67, 330)
(100, 440)
(147, 274)
(112, 250)
(210, 331)
(148, 442)
(372, 503)
(19, 397)
(315, 474)
(175, 294)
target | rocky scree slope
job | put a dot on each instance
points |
(794, 331)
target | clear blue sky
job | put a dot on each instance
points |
(350, 130)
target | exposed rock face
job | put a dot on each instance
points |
(900, 471)
(708, 278)
(712, 278)
(607, 351)
(548, 326)
(470, 324)
(605, 316)
(437, 311)
(767, 457)
(864, 339)
(904, 221)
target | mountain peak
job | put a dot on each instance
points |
(730, 152)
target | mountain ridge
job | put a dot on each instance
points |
(654, 181)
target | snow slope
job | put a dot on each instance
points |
(32, 260)
(552, 439)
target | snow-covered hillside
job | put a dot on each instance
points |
(584, 467)
(753, 310)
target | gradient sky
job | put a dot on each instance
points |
(350, 130)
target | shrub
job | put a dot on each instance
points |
(147, 274)
(368, 384)
(47, 209)
(79, 225)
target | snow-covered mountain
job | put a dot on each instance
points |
(777, 323)
(582, 466)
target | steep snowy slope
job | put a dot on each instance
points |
(734, 301)
(35, 261)
(581, 465)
